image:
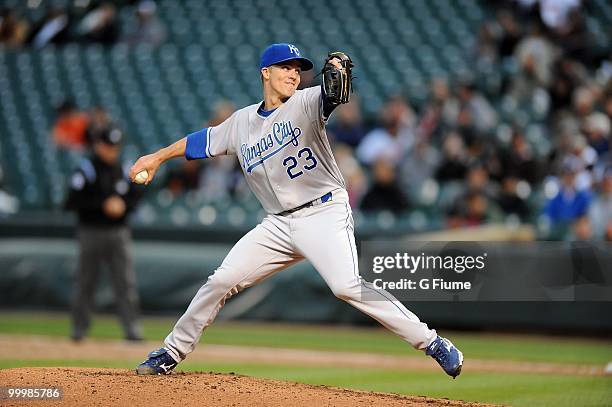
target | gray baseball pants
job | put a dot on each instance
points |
(322, 234)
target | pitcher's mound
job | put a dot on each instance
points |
(117, 387)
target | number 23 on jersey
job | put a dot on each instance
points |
(305, 160)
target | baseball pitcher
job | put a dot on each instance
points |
(288, 163)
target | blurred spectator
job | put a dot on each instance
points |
(13, 31)
(510, 33)
(54, 29)
(492, 161)
(509, 200)
(476, 115)
(476, 212)
(148, 29)
(519, 160)
(569, 203)
(185, 177)
(567, 76)
(576, 40)
(471, 210)
(586, 156)
(100, 25)
(583, 105)
(440, 113)
(419, 165)
(347, 126)
(103, 197)
(477, 151)
(392, 140)
(217, 178)
(600, 212)
(586, 153)
(477, 180)
(584, 100)
(536, 57)
(453, 165)
(476, 205)
(70, 127)
(354, 177)
(563, 147)
(485, 47)
(385, 193)
(597, 129)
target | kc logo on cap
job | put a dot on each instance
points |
(279, 53)
(293, 49)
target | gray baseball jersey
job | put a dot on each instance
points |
(286, 157)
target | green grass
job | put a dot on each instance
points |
(474, 345)
(500, 388)
(513, 389)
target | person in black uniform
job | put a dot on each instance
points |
(103, 197)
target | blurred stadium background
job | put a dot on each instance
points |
(471, 119)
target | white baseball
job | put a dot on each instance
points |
(141, 177)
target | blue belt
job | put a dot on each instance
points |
(323, 199)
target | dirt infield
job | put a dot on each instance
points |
(119, 387)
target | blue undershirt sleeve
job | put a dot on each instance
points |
(197, 145)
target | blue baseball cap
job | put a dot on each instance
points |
(277, 53)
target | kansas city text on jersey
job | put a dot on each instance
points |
(280, 132)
